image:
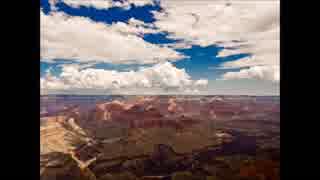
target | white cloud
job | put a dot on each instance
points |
(201, 82)
(103, 4)
(205, 23)
(134, 27)
(162, 77)
(83, 40)
(255, 24)
(98, 4)
(270, 73)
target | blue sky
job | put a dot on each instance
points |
(199, 61)
(111, 15)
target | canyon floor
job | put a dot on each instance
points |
(159, 137)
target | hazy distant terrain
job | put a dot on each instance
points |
(160, 137)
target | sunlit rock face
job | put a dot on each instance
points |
(61, 166)
(60, 134)
(158, 111)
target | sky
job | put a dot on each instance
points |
(217, 47)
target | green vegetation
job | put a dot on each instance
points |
(121, 176)
(186, 175)
(182, 176)
(106, 177)
(211, 178)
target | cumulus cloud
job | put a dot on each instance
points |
(256, 72)
(103, 4)
(241, 26)
(205, 23)
(201, 82)
(162, 76)
(133, 27)
(83, 40)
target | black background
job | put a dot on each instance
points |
(298, 90)
(20, 85)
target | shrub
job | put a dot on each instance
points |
(182, 176)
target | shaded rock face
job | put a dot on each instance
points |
(61, 166)
(162, 162)
(85, 153)
(162, 153)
